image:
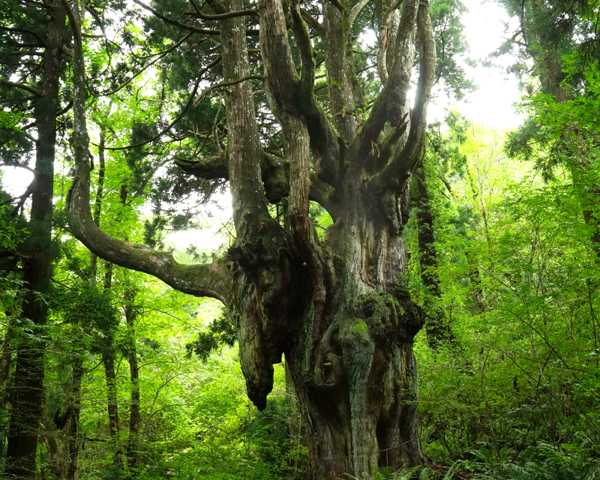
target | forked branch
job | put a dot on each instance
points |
(306, 51)
(291, 101)
(392, 101)
(356, 9)
(395, 175)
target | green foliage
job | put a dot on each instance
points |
(219, 332)
(320, 218)
(90, 311)
(451, 47)
(516, 396)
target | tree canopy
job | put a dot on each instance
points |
(356, 224)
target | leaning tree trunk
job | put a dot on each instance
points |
(334, 308)
(27, 391)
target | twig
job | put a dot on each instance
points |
(226, 84)
(179, 117)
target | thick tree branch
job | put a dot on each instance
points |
(220, 16)
(339, 60)
(275, 177)
(279, 70)
(175, 23)
(286, 97)
(337, 5)
(306, 51)
(27, 88)
(210, 168)
(395, 175)
(225, 84)
(392, 101)
(74, 19)
(311, 21)
(355, 11)
(244, 151)
(387, 41)
(289, 99)
(210, 280)
(323, 194)
(201, 280)
(382, 152)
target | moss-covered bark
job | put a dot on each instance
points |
(334, 308)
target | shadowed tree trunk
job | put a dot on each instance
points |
(108, 359)
(27, 390)
(334, 308)
(72, 431)
(134, 374)
(6, 357)
(438, 330)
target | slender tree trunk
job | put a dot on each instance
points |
(108, 359)
(72, 433)
(99, 196)
(6, 359)
(438, 330)
(134, 373)
(589, 203)
(336, 36)
(28, 393)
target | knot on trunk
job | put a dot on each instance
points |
(329, 365)
(275, 176)
(389, 319)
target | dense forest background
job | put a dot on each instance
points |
(142, 381)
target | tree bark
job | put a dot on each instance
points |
(6, 358)
(438, 330)
(134, 374)
(108, 360)
(27, 391)
(72, 431)
(335, 309)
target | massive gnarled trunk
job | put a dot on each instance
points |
(335, 308)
